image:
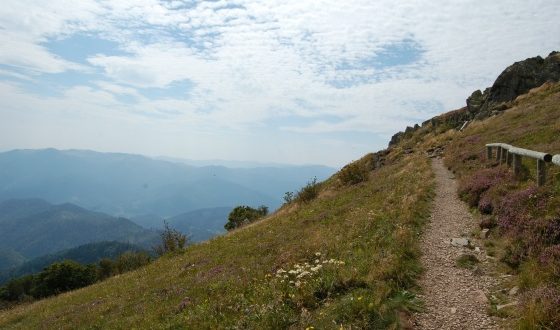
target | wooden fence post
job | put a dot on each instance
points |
(504, 156)
(499, 154)
(488, 153)
(516, 164)
(509, 158)
(541, 172)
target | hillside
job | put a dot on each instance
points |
(231, 280)
(84, 254)
(10, 259)
(131, 185)
(349, 258)
(34, 227)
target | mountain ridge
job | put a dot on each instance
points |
(43, 230)
(129, 185)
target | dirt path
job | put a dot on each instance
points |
(455, 297)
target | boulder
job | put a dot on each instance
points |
(517, 79)
(460, 242)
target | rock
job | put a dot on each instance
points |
(513, 291)
(484, 233)
(517, 79)
(460, 242)
(453, 310)
(480, 296)
(477, 249)
(475, 101)
(500, 307)
(396, 138)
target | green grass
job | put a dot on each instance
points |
(369, 229)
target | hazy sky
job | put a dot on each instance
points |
(275, 80)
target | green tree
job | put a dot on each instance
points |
(17, 289)
(105, 268)
(63, 276)
(242, 215)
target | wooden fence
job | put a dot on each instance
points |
(511, 155)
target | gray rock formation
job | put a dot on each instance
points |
(515, 80)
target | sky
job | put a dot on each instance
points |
(283, 81)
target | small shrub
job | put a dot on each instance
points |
(354, 173)
(105, 268)
(467, 261)
(129, 261)
(541, 309)
(309, 192)
(514, 212)
(550, 258)
(514, 254)
(472, 188)
(485, 205)
(288, 197)
(487, 222)
(172, 241)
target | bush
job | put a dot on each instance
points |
(288, 197)
(473, 187)
(242, 215)
(105, 268)
(514, 212)
(541, 308)
(467, 261)
(354, 173)
(172, 241)
(61, 277)
(309, 192)
(129, 261)
(17, 289)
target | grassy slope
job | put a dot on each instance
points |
(369, 229)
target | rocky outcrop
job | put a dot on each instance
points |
(517, 79)
(520, 77)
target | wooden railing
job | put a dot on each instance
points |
(511, 155)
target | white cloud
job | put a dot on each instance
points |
(249, 62)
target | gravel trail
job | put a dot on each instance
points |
(455, 298)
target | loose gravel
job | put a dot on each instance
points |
(454, 297)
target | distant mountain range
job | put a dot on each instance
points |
(34, 227)
(131, 185)
(199, 225)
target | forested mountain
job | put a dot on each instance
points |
(34, 227)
